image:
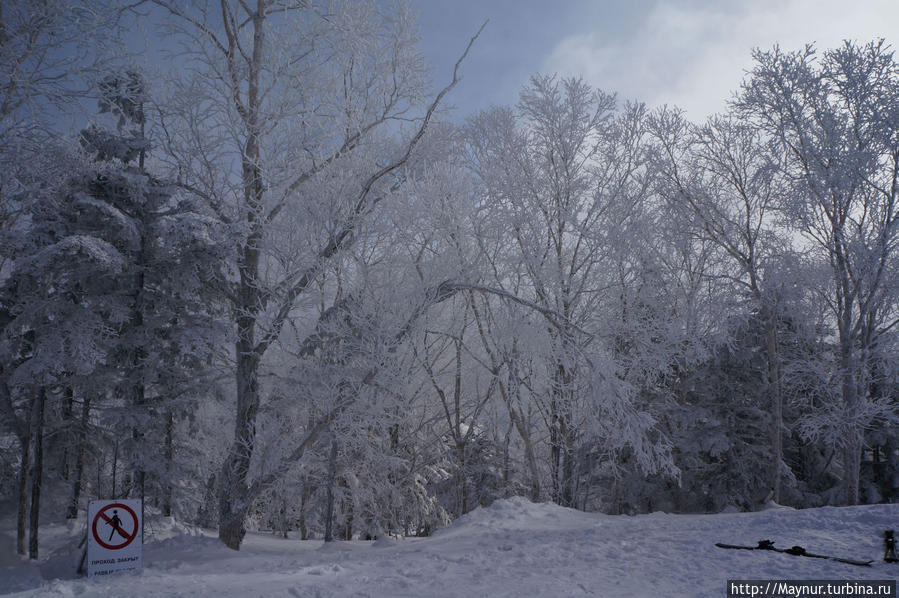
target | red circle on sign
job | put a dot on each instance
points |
(100, 514)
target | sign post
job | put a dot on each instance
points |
(114, 536)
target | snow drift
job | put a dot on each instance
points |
(513, 548)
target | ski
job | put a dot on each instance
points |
(795, 551)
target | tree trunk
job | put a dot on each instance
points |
(463, 479)
(531, 459)
(529, 456)
(776, 404)
(282, 516)
(37, 471)
(139, 479)
(138, 390)
(349, 509)
(329, 503)
(232, 513)
(852, 451)
(22, 515)
(207, 514)
(515, 415)
(68, 406)
(72, 512)
(561, 437)
(507, 459)
(115, 467)
(568, 477)
(555, 451)
(305, 494)
(234, 498)
(168, 486)
(851, 458)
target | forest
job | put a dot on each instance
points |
(266, 281)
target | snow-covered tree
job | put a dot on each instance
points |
(114, 279)
(563, 176)
(835, 121)
(283, 127)
(49, 51)
(60, 301)
(727, 181)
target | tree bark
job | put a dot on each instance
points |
(349, 510)
(555, 453)
(168, 486)
(776, 403)
(329, 502)
(115, 467)
(67, 409)
(568, 469)
(852, 450)
(22, 515)
(234, 495)
(232, 512)
(37, 471)
(207, 514)
(531, 459)
(235, 499)
(463, 479)
(305, 494)
(561, 438)
(282, 518)
(850, 396)
(507, 458)
(72, 512)
(138, 390)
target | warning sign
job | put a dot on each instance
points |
(114, 536)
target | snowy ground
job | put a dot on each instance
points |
(514, 548)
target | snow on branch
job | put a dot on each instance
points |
(344, 237)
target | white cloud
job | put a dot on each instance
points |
(695, 57)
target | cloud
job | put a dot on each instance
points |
(695, 56)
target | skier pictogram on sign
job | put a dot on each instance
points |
(121, 532)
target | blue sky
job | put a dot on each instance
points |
(689, 53)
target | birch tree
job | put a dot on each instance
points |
(835, 118)
(282, 98)
(724, 177)
(563, 177)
